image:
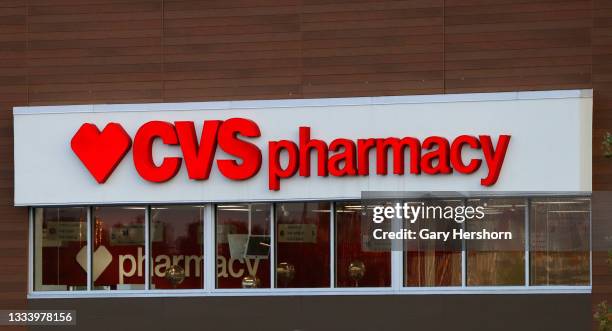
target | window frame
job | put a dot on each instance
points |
(272, 256)
(209, 278)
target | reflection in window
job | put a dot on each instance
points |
(559, 230)
(302, 244)
(497, 262)
(118, 250)
(358, 264)
(176, 247)
(243, 245)
(433, 262)
(60, 253)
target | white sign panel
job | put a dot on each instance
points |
(546, 140)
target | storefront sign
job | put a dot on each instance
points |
(302, 149)
(102, 151)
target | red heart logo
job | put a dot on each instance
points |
(101, 152)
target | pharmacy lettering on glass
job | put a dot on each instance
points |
(176, 247)
(102, 151)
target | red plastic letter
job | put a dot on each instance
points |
(342, 163)
(494, 158)
(306, 144)
(249, 153)
(398, 146)
(143, 152)
(363, 155)
(456, 159)
(198, 156)
(442, 154)
(275, 169)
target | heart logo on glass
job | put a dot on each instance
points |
(102, 259)
(101, 152)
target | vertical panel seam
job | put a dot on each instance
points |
(27, 52)
(163, 51)
(444, 46)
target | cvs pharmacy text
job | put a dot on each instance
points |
(102, 151)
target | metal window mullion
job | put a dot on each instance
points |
(397, 260)
(464, 254)
(147, 245)
(272, 256)
(250, 219)
(332, 245)
(463, 264)
(31, 250)
(90, 247)
(208, 243)
(527, 243)
(397, 275)
(591, 241)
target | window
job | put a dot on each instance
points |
(176, 247)
(497, 262)
(357, 263)
(302, 244)
(560, 249)
(60, 256)
(433, 262)
(243, 245)
(118, 251)
(312, 247)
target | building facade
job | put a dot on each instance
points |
(523, 84)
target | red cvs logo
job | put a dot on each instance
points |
(101, 152)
